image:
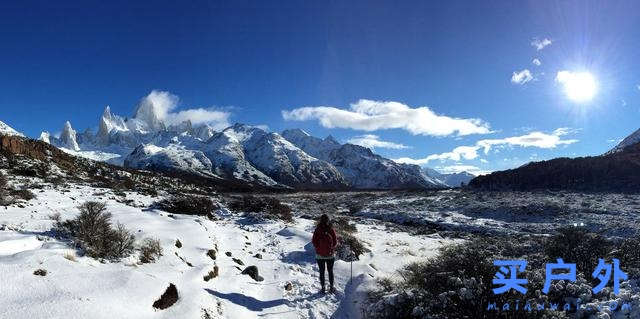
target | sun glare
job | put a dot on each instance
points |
(578, 86)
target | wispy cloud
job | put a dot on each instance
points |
(368, 115)
(532, 139)
(163, 104)
(458, 153)
(521, 77)
(536, 62)
(540, 44)
(373, 141)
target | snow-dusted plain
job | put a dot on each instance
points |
(82, 287)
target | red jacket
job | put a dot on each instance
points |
(324, 241)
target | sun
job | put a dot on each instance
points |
(578, 86)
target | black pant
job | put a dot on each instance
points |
(329, 266)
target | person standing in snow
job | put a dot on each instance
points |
(325, 242)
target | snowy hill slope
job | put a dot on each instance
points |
(632, 139)
(8, 130)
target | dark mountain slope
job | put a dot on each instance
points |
(618, 172)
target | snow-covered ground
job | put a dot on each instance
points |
(82, 287)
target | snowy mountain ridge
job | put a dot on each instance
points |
(293, 159)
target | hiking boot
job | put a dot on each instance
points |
(332, 290)
(322, 291)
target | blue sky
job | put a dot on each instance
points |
(454, 71)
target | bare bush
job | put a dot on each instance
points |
(576, 245)
(450, 285)
(92, 231)
(24, 194)
(269, 206)
(150, 250)
(3, 182)
(187, 204)
(4, 201)
(352, 243)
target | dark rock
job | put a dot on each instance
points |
(259, 256)
(40, 272)
(252, 271)
(212, 274)
(228, 254)
(238, 261)
(168, 298)
(212, 254)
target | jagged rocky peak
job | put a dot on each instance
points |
(152, 107)
(183, 127)
(331, 140)
(312, 145)
(107, 113)
(242, 132)
(203, 132)
(68, 137)
(295, 133)
(45, 137)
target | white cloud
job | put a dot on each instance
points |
(484, 161)
(532, 139)
(638, 87)
(536, 62)
(217, 119)
(373, 141)
(368, 115)
(521, 77)
(540, 44)
(163, 104)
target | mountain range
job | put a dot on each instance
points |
(241, 153)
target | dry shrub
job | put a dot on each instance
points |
(24, 194)
(269, 206)
(93, 232)
(187, 204)
(577, 245)
(150, 250)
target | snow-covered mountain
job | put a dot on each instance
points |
(241, 152)
(451, 179)
(8, 130)
(632, 139)
(360, 166)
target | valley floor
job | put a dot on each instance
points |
(82, 287)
